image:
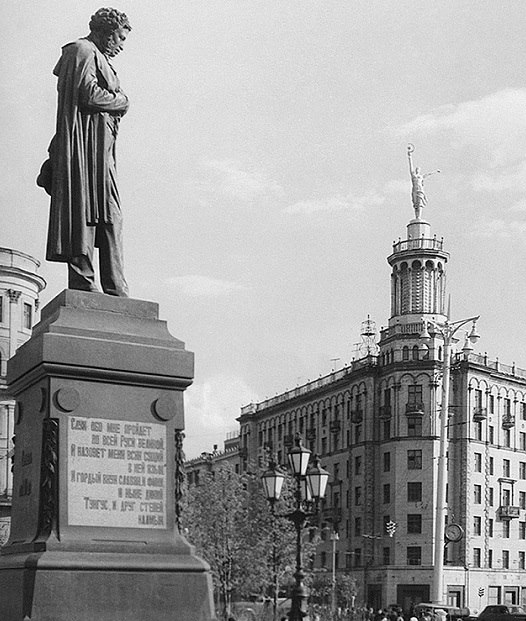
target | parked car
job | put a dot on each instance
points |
(259, 608)
(452, 613)
(503, 612)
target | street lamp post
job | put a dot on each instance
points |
(334, 538)
(310, 486)
(447, 330)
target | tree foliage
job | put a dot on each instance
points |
(250, 549)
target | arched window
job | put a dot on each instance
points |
(405, 353)
(415, 352)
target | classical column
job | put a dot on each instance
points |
(14, 320)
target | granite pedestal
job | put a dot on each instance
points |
(99, 415)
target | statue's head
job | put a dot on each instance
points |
(417, 170)
(109, 29)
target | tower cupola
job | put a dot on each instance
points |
(418, 277)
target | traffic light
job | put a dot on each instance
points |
(390, 527)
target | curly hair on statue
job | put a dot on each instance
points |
(106, 20)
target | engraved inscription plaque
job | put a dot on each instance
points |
(116, 473)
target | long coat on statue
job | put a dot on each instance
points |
(82, 174)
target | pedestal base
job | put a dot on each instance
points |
(97, 470)
(56, 586)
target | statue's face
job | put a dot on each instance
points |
(115, 42)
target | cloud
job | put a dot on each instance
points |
(494, 126)
(211, 408)
(512, 178)
(195, 285)
(335, 204)
(230, 178)
(501, 228)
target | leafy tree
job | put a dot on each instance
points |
(251, 551)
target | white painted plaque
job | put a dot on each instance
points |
(116, 473)
(5, 526)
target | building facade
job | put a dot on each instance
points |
(376, 425)
(20, 287)
(216, 458)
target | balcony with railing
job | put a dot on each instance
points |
(419, 243)
(288, 440)
(508, 421)
(335, 426)
(414, 409)
(311, 433)
(356, 416)
(508, 512)
(385, 412)
(479, 414)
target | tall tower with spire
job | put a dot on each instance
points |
(418, 277)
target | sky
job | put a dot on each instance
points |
(263, 172)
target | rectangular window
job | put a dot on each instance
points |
(507, 438)
(414, 460)
(490, 496)
(414, 492)
(522, 560)
(506, 468)
(476, 557)
(491, 404)
(477, 525)
(386, 430)
(477, 494)
(478, 430)
(357, 433)
(506, 497)
(522, 500)
(387, 556)
(505, 559)
(358, 465)
(387, 494)
(490, 528)
(357, 527)
(491, 465)
(522, 530)
(414, 394)
(414, 555)
(414, 426)
(28, 316)
(522, 440)
(522, 470)
(357, 496)
(523, 411)
(387, 462)
(414, 523)
(491, 434)
(490, 558)
(357, 557)
(478, 462)
(324, 446)
(506, 529)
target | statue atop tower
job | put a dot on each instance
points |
(417, 179)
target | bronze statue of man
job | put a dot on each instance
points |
(80, 174)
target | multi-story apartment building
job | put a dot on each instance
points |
(20, 287)
(376, 425)
(208, 460)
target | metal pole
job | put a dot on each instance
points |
(440, 516)
(300, 593)
(334, 539)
